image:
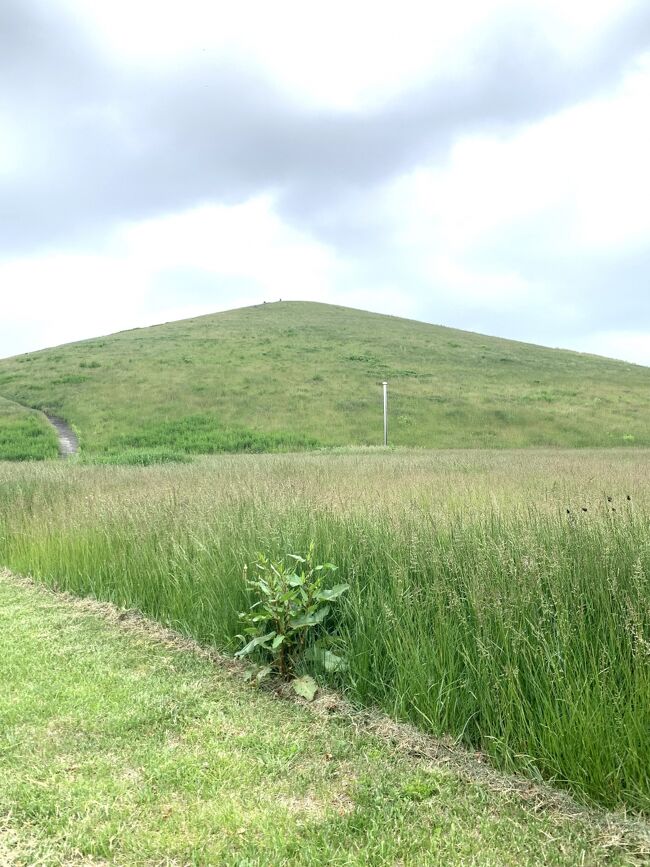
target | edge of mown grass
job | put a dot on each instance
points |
(614, 830)
(438, 573)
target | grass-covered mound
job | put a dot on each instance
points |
(292, 374)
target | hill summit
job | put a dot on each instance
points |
(295, 374)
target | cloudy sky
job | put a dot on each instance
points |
(482, 164)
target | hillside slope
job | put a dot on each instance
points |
(300, 373)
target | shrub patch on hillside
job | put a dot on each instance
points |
(201, 434)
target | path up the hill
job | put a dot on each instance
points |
(68, 441)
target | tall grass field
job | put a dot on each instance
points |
(25, 435)
(499, 596)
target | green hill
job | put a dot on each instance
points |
(294, 374)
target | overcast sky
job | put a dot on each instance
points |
(482, 164)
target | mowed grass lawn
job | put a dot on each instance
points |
(117, 747)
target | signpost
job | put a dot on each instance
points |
(385, 384)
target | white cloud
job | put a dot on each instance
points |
(572, 188)
(56, 298)
(576, 182)
(337, 53)
(248, 242)
(586, 165)
(631, 346)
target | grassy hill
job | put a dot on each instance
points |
(294, 374)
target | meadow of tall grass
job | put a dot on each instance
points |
(502, 597)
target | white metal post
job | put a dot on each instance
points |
(385, 384)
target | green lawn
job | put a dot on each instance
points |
(25, 435)
(295, 374)
(117, 747)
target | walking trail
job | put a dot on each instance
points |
(68, 442)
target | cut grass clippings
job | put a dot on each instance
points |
(121, 746)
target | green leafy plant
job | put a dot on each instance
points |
(292, 604)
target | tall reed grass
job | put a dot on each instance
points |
(500, 597)
(25, 435)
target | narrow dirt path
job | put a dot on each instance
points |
(68, 442)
